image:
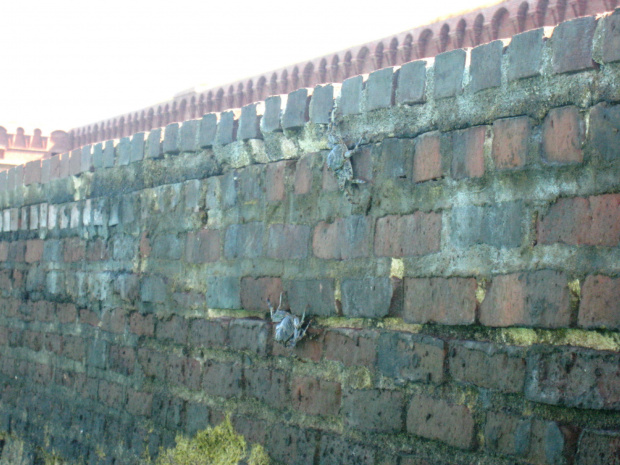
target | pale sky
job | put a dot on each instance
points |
(67, 63)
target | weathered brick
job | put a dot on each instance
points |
(296, 112)
(350, 347)
(380, 89)
(468, 152)
(114, 320)
(256, 291)
(563, 136)
(244, 240)
(582, 221)
(270, 122)
(441, 420)
(343, 239)
(267, 385)
(209, 333)
(109, 155)
(350, 102)
(207, 130)
(366, 297)
(75, 162)
(139, 403)
(32, 172)
(122, 359)
(222, 379)
(136, 149)
(166, 247)
(226, 128)
(123, 151)
(499, 225)
(488, 365)
(174, 329)
(290, 444)
(249, 335)
(153, 289)
(312, 296)
(288, 241)
(449, 68)
(525, 54)
(74, 250)
(276, 179)
(599, 306)
(407, 357)
(540, 298)
(152, 363)
(303, 175)
(249, 123)
(223, 292)
(574, 377)
(335, 450)
(604, 130)
(449, 301)
(171, 136)
(571, 45)
(315, 396)
(510, 142)
(598, 448)
(34, 250)
(408, 235)
(187, 141)
(427, 157)
(66, 313)
(486, 66)
(411, 83)
(112, 394)
(203, 246)
(154, 147)
(184, 371)
(396, 157)
(373, 410)
(322, 104)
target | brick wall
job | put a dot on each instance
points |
(464, 305)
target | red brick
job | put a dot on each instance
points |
(96, 250)
(256, 291)
(145, 245)
(142, 325)
(540, 298)
(209, 333)
(343, 239)
(441, 420)
(222, 379)
(17, 251)
(600, 303)
(174, 328)
(90, 318)
(303, 175)
(114, 320)
(571, 45)
(408, 235)
(315, 396)
(267, 385)
(53, 343)
(67, 313)
(350, 347)
(276, 179)
(510, 142)
(74, 250)
(488, 365)
(440, 300)
(563, 136)
(44, 310)
(288, 241)
(74, 348)
(468, 152)
(203, 246)
(310, 348)
(249, 335)
(139, 403)
(582, 221)
(427, 157)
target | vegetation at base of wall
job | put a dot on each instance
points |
(219, 445)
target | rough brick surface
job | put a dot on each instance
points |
(315, 396)
(351, 96)
(604, 130)
(486, 66)
(572, 45)
(599, 306)
(244, 240)
(380, 89)
(350, 347)
(563, 136)
(408, 235)
(288, 241)
(313, 296)
(203, 246)
(407, 357)
(296, 112)
(468, 152)
(441, 420)
(598, 448)
(449, 68)
(256, 291)
(499, 225)
(582, 221)
(249, 123)
(322, 104)
(373, 410)
(540, 298)
(366, 297)
(525, 54)
(345, 238)
(440, 300)
(411, 83)
(427, 157)
(510, 142)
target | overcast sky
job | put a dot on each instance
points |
(67, 63)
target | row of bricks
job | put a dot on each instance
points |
(574, 221)
(571, 50)
(540, 373)
(423, 415)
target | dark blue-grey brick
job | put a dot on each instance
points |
(313, 296)
(411, 357)
(322, 104)
(244, 240)
(154, 145)
(171, 137)
(296, 112)
(270, 121)
(525, 54)
(571, 44)
(207, 130)
(366, 297)
(486, 66)
(153, 289)
(499, 225)
(223, 292)
(351, 96)
(249, 123)
(226, 128)
(380, 89)
(411, 83)
(187, 136)
(136, 152)
(123, 151)
(449, 68)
